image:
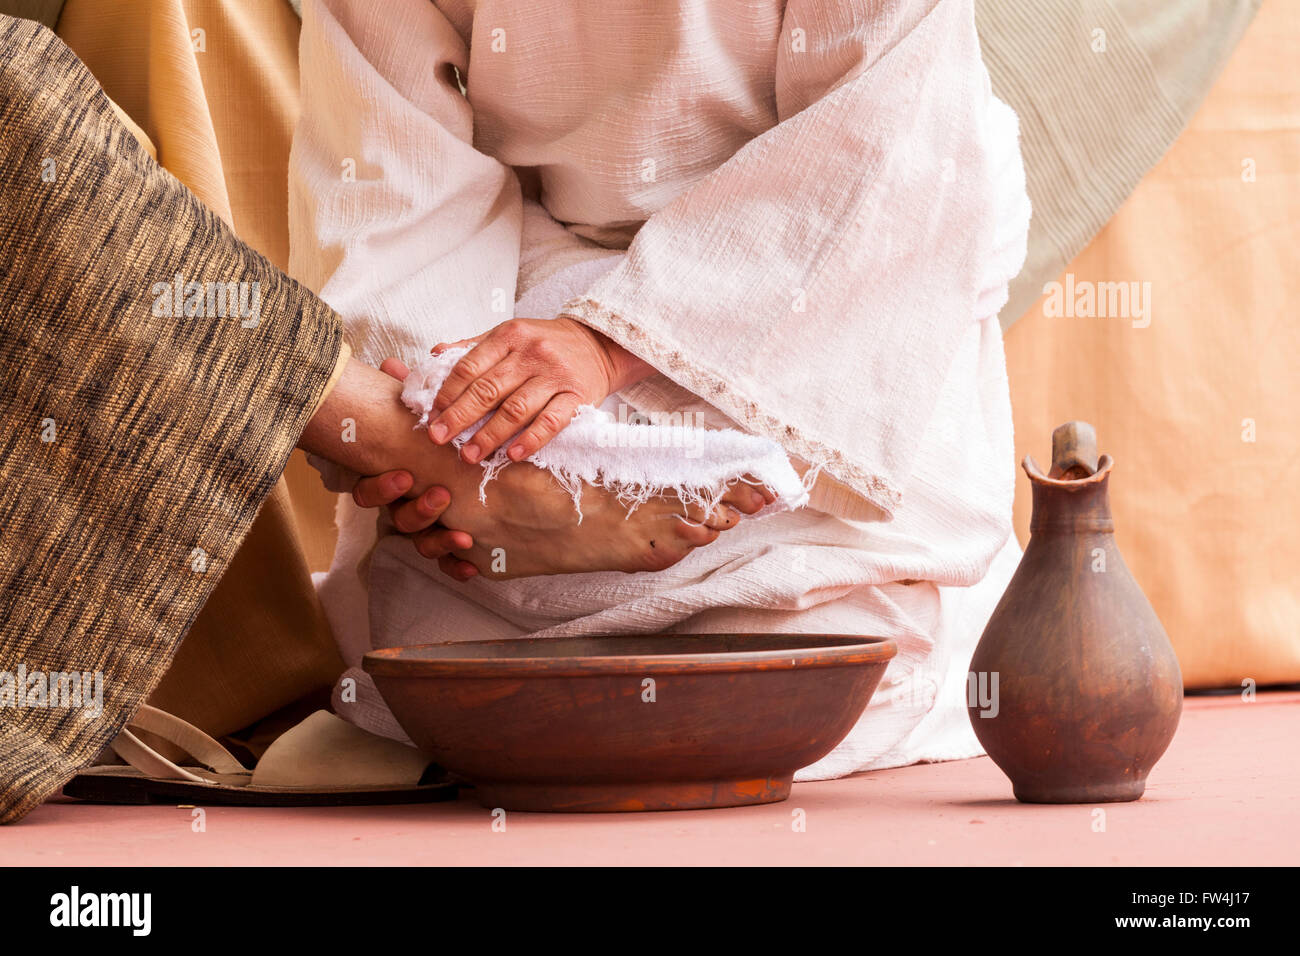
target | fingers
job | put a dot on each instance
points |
(419, 517)
(382, 489)
(474, 364)
(495, 387)
(437, 545)
(552, 419)
(457, 568)
(395, 367)
(422, 512)
(443, 346)
(439, 542)
(518, 409)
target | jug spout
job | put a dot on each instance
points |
(1073, 496)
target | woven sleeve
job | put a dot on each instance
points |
(156, 374)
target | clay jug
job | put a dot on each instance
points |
(1074, 689)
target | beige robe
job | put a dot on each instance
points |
(805, 215)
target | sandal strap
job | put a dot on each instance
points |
(204, 749)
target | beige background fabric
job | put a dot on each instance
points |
(1206, 520)
(1103, 87)
(220, 119)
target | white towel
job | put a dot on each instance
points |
(635, 459)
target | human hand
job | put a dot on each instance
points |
(419, 517)
(535, 373)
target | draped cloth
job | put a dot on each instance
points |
(804, 215)
(220, 119)
(138, 445)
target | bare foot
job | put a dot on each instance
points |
(529, 527)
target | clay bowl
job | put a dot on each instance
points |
(669, 722)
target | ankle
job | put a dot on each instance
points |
(361, 424)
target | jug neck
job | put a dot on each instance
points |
(1071, 506)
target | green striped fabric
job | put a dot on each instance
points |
(1103, 88)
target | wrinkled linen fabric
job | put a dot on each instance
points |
(805, 216)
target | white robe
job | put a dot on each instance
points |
(804, 214)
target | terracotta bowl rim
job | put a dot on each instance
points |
(855, 651)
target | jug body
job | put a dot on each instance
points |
(1088, 691)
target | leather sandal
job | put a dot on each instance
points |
(323, 761)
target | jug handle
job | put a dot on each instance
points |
(1074, 451)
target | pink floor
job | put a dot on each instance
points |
(1225, 793)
